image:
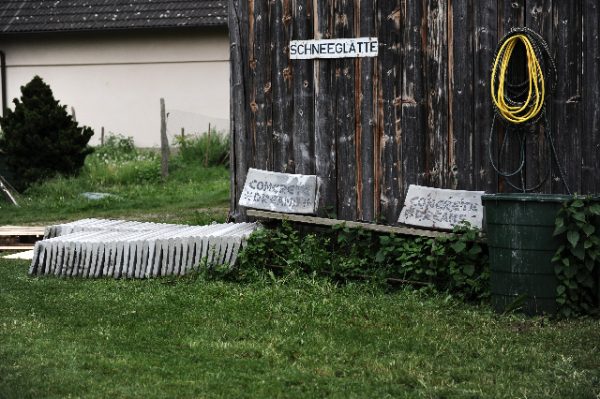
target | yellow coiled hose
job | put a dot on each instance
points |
(512, 110)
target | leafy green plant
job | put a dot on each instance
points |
(268, 247)
(355, 248)
(40, 125)
(467, 262)
(456, 264)
(577, 258)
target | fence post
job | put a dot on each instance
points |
(207, 147)
(164, 143)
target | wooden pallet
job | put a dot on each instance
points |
(20, 238)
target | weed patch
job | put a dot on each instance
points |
(208, 149)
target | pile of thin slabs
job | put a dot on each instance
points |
(93, 248)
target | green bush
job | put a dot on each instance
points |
(204, 149)
(40, 139)
(457, 264)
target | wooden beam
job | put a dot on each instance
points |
(359, 225)
(21, 231)
(23, 247)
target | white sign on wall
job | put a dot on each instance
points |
(441, 208)
(334, 48)
(280, 192)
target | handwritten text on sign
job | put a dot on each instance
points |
(334, 48)
(440, 208)
(280, 192)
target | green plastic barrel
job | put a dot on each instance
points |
(519, 231)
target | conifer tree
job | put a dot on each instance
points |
(40, 139)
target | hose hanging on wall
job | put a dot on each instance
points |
(523, 75)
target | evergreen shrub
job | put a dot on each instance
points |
(40, 139)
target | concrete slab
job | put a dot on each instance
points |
(441, 208)
(280, 192)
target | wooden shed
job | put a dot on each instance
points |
(418, 113)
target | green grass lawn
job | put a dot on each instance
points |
(303, 338)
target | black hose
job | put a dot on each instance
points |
(515, 94)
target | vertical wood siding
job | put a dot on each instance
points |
(419, 113)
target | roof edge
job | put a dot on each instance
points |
(212, 27)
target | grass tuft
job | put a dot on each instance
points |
(207, 149)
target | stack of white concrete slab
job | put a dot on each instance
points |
(93, 224)
(123, 249)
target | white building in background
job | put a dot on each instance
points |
(113, 61)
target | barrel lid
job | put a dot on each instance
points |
(525, 197)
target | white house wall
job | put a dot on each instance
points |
(115, 80)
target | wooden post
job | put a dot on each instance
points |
(102, 136)
(207, 147)
(164, 143)
(182, 134)
(8, 192)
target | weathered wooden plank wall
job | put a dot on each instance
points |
(419, 113)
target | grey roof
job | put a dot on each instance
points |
(20, 16)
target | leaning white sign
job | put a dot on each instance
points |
(280, 192)
(441, 208)
(334, 48)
